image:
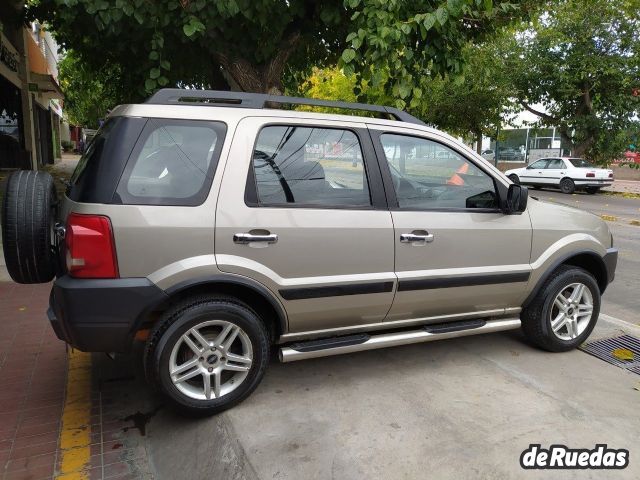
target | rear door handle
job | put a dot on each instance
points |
(413, 238)
(246, 238)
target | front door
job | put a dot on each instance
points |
(535, 173)
(302, 210)
(457, 254)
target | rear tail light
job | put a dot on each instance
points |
(591, 174)
(91, 251)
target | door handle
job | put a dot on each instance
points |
(246, 238)
(413, 238)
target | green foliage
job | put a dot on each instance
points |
(88, 94)
(581, 61)
(419, 38)
(251, 44)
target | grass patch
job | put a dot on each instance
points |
(621, 194)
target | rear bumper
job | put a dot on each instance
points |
(610, 262)
(594, 183)
(100, 315)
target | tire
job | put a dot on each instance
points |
(538, 316)
(537, 187)
(514, 178)
(567, 185)
(209, 315)
(592, 190)
(28, 219)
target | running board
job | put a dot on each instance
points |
(361, 342)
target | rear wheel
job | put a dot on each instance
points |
(28, 219)
(565, 310)
(514, 178)
(592, 190)
(567, 185)
(207, 354)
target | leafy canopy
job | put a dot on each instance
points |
(581, 61)
(251, 44)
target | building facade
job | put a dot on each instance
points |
(29, 92)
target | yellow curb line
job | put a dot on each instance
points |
(75, 435)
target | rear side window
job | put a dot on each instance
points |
(309, 167)
(173, 163)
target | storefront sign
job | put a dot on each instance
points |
(8, 55)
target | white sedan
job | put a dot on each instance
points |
(568, 174)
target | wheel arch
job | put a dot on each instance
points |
(254, 294)
(586, 259)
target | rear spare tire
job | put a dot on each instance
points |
(28, 219)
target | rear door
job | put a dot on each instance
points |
(302, 211)
(554, 171)
(457, 254)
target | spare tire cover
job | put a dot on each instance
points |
(28, 219)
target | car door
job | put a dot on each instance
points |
(535, 173)
(554, 171)
(302, 210)
(456, 254)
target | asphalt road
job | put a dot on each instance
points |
(622, 298)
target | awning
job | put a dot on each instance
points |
(45, 85)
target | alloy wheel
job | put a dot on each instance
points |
(210, 360)
(571, 311)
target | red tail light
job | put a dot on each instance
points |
(91, 251)
(591, 174)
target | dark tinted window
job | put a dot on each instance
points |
(581, 163)
(173, 163)
(97, 174)
(429, 175)
(310, 167)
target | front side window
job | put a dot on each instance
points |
(539, 164)
(309, 166)
(173, 163)
(429, 175)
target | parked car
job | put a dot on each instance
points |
(198, 224)
(488, 155)
(567, 174)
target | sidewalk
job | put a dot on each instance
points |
(624, 186)
(58, 414)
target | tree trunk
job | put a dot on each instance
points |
(580, 149)
(479, 142)
(266, 78)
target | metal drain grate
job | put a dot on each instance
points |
(603, 349)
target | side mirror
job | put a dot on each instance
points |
(516, 201)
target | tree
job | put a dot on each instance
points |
(581, 61)
(250, 44)
(475, 102)
(88, 95)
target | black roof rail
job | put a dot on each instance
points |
(220, 98)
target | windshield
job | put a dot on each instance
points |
(581, 163)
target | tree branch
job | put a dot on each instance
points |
(545, 116)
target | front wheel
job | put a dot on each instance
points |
(207, 354)
(567, 186)
(565, 310)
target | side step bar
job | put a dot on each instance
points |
(361, 342)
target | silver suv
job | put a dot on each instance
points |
(215, 229)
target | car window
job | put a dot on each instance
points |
(538, 164)
(173, 163)
(309, 166)
(556, 164)
(428, 175)
(581, 163)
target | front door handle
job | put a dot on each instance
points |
(246, 238)
(414, 238)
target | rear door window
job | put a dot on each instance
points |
(173, 163)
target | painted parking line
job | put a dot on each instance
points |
(75, 434)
